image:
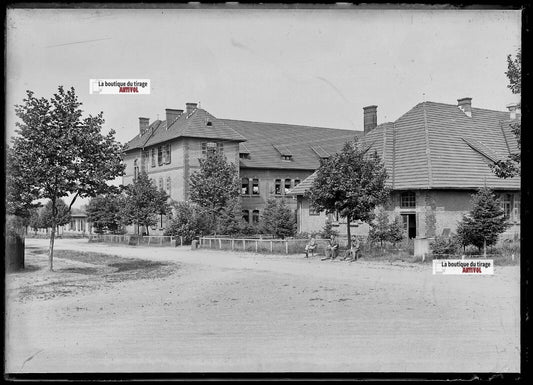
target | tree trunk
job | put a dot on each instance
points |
(52, 237)
(146, 226)
(348, 232)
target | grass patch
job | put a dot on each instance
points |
(92, 271)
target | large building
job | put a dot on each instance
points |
(436, 156)
(272, 158)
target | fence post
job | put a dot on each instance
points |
(244, 245)
(256, 245)
(220, 243)
(232, 243)
(286, 247)
(149, 240)
(271, 247)
(181, 240)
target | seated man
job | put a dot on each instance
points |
(331, 248)
(355, 250)
(310, 246)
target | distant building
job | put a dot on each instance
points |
(78, 226)
(436, 156)
(272, 158)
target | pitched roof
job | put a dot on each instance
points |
(262, 139)
(436, 145)
(304, 186)
(193, 125)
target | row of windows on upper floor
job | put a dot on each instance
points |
(161, 155)
(281, 186)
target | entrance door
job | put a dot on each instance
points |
(409, 224)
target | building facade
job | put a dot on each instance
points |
(271, 158)
(436, 155)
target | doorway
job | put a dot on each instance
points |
(409, 225)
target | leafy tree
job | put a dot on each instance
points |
(396, 230)
(143, 202)
(351, 183)
(57, 153)
(188, 221)
(278, 219)
(19, 198)
(230, 220)
(510, 167)
(47, 217)
(382, 230)
(380, 227)
(328, 231)
(215, 184)
(104, 212)
(484, 223)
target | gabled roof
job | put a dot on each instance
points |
(436, 145)
(262, 138)
(193, 125)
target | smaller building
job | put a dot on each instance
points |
(436, 155)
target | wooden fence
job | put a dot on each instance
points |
(137, 240)
(270, 246)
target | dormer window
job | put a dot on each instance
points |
(285, 153)
(209, 123)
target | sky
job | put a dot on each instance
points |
(316, 67)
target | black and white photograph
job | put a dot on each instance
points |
(262, 189)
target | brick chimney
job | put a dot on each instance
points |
(465, 104)
(513, 111)
(370, 118)
(143, 125)
(172, 115)
(191, 107)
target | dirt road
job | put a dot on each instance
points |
(223, 311)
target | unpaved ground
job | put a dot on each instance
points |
(204, 311)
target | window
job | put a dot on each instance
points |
(277, 187)
(135, 169)
(73, 224)
(212, 147)
(169, 183)
(255, 217)
(286, 157)
(287, 185)
(244, 156)
(160, 183)
(407, 199)
(166, 154)
(312, 211)
(246, 216)
(507, 204)
(159, 155)
(296, 182)
(255, 186)
(153, 157)
(245, 190)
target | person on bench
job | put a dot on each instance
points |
(310, 246)
(332, 248)
(355, 251)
